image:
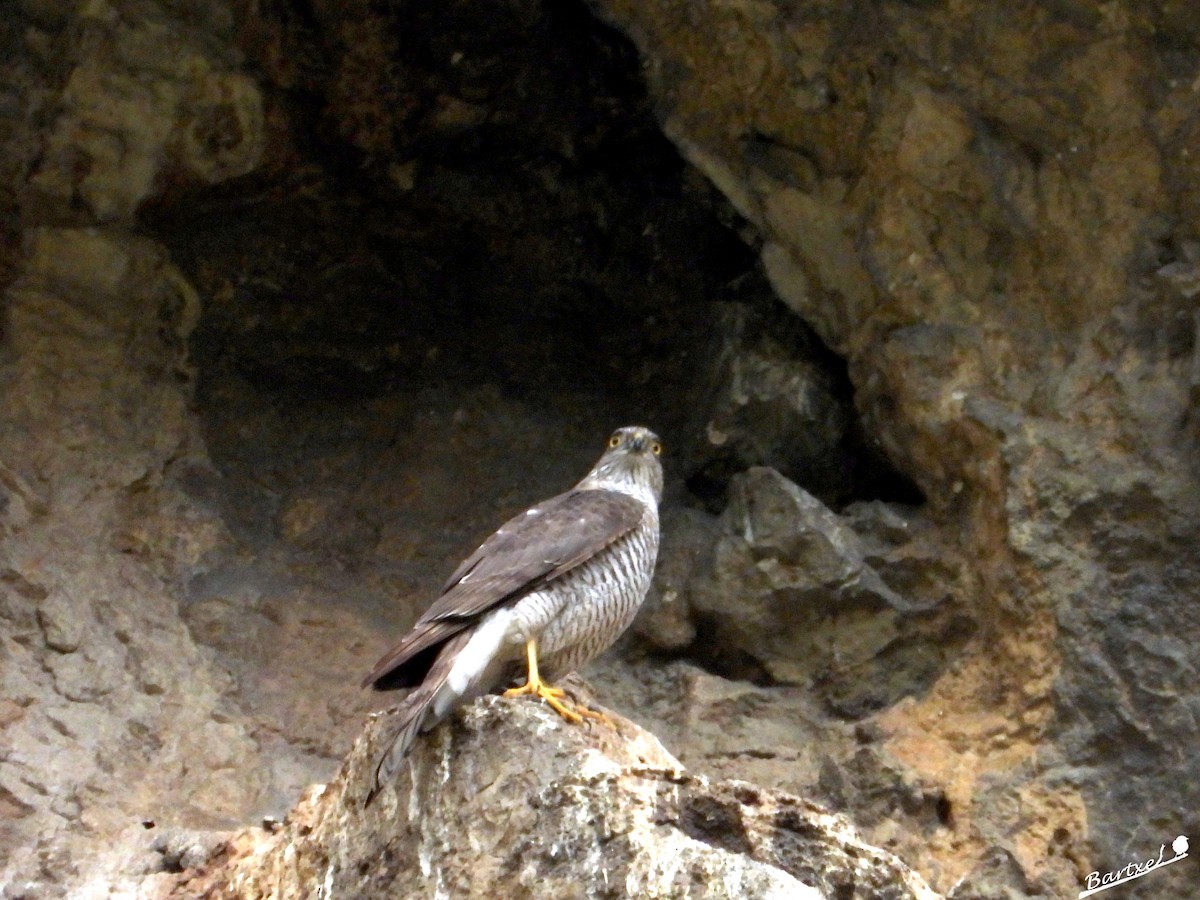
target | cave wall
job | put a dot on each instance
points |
(112, 713)
(917, 321)
(990, 212)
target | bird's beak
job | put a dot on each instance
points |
(639, 443)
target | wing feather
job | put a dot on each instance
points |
(528, 551)
(404, 665)
(533, 548)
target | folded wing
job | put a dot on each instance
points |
(528, 551)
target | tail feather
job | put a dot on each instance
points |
(412, 718)
(414, 714)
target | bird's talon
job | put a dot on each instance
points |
(565, 711)
(578, 706)
(552, 695)
(573, 711)
(595, 716)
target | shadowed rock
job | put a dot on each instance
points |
(793, 595)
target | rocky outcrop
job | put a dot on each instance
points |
(508, 800)
(301, 302)
(990, 213)
(149, 101)
(94, 652)
(794, 588)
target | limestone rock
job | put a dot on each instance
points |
(508, 800)
(791, 588)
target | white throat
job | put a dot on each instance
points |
(610, 477)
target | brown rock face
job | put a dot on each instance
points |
(300, 301)
(987, 211)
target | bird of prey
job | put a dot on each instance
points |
(551, 589)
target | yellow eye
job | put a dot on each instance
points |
(656, 448)
(614, 441)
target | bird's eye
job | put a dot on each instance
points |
(614, 441)
(656, 448)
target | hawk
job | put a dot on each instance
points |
(551, 589)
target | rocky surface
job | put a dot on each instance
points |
(95, 655)
(987, 211)
(298, 304)
(812, 608)
(111, 712)
(570, 811)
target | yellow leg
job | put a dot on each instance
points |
(553, 696)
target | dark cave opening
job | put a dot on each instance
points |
(407, 337)
(493, 209)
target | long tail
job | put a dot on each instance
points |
(412, 717)
(415, 715)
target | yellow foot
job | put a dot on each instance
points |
(551, 695)
(573, 712)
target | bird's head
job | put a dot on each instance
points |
(631, 458)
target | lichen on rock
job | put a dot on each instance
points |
(507, 799)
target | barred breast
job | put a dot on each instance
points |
(579, 615)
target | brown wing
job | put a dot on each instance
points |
(525, 553)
